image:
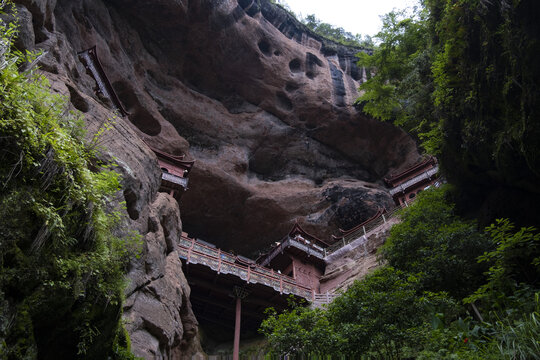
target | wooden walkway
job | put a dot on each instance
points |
(197, 252)
(364, 231)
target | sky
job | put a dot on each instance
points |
(355, 16)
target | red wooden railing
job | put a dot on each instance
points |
(195, 252)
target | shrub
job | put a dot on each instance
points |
(61, 266)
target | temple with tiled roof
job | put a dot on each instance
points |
(175, 171)
(299, 255)
(408, 183)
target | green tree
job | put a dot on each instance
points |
(462, 77)
(514, 272)
(337, 34)
(486, 74)
(301, 332)
(400, 88)
(380, 317)
(438, 246)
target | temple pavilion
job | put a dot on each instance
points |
(175, 171)
(299, 255)
(408, 183)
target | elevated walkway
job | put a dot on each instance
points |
(362, 232)
(194, 251)
(230, 292)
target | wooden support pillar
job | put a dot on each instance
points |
(220, 262)
(190, 249)
(236, 348)
(240, 293)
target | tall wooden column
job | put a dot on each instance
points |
(240, 293)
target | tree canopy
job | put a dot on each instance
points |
(462, 77)
(337, 34)
(446, 291)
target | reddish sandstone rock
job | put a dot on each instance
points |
(250, 94)
(262, 105)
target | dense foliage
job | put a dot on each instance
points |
(61, 267)
(448, 291)
(463, 77)
(337, 34)
(400, 86)
(432, 224)
(328, 31)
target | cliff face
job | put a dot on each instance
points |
(261, 104)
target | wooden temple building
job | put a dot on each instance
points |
(174, 172)
(231, 291)
(408, 183)
(299, 255)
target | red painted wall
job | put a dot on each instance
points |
(307, 274)
(171, 168)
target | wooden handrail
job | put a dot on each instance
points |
(369, 228)
(250, 270)
(379, 213)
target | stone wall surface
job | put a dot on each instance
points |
(355, 260)
(262, 105)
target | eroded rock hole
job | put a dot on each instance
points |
(277, 53)
(310, 75)
(264, 46)
(77, 100)
(145, 122)
(245, 3)
(126, 95)
(295, 65)
(40, 34)
(139, 116)
(313, 60)
(290, 87)
(250, 7)
(131, 204)
(284, 102)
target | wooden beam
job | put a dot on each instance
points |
(227, 306)
(225, 324)
(228, 290)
